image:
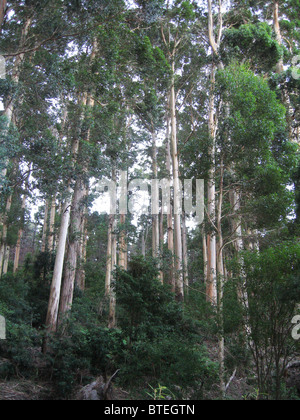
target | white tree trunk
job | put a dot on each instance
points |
(177, 195)
(211, 289)
(185, 255)
(4, 250)
(20, 234)
(170, 226)
(52, 224)
(53, 306)
(280, 65)
(45, 227)
(52, 315)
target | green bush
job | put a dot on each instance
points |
(161, 344)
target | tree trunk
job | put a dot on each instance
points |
(279, 66)
(109, 254)
(155, 217)
(177, 195)
(52, 224)
(111, 264)
(52, 315)
(235, 202)
(53, 306)
(2, 12)
(205, 262)
(4, 250)
(220, 282)
(73, 251)
(161, 241)
(112, 295)
(143, 244)
(80, 272)
(211, 289)
(185, 255)
(170, 227)
(21, 230)
(155, 206)
(75, 230)
(6, 259)
(45, 227)
(123, 243)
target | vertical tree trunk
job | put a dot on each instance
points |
(155, 220)
(185, 254)
(112, 296)
(122, 243)
(6, 259)
(170, 227)
(143, 244)
(177, 194)
(123, 235)
(53, 306)
(80, 272)
(111, 263)
(109, 255)
(2, 12)
(155, 195)
(18, 250)
(52, 224)
(161, 241)
(52, 315)
(67, 292)
(279, 66)
(4, 251)
(21, 230)
(205, 262)
(211, 289)
(220, 282)
(76, 212)
(45, 227)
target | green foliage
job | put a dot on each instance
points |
(254, 43)
(161, 343)
(255, 112)
(273, 287)
(22, 340)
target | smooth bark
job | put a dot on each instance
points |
(123, 243)
(185, 255)
(280, 65)
(211, 287)
(177, 194)
(21, 230)
(67, 292)
(52, 224)
(170, 227)
(45, 226)
(53, 306)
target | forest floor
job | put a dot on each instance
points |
(24, 390)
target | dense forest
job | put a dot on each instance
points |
(119, 121)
